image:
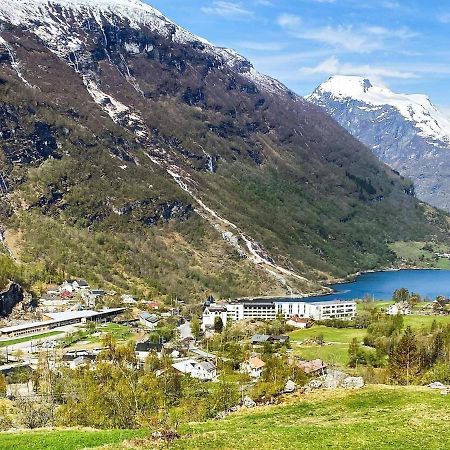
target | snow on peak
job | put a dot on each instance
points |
(55, 23)
(416, 108)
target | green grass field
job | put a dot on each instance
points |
(34, 337)
(336, 339)
(376, 417)
(335, 351)
(120, 332)
(339, 335)
(418, 321)
(66, 439)
(414, 253)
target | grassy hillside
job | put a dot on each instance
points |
(66, 439)
(377, 417)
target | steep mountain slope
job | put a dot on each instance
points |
(406, 131)
(137, 154)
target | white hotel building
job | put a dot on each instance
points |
(269, 310)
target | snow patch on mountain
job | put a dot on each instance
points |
(60, 24)
(415, 108)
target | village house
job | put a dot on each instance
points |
(210, 313)
(148, 320)
(80, 358)
(260, 339)
(314, 367)
(143, 349)
(128, 299)
(299, 322)
(202, 370)
(253, 367)
(401, 308)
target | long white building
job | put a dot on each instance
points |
(269, 310)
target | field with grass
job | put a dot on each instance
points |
(335, 348)
(419, 321)
(421, 254)
(336, 340)
(377, 417)
(66, 439)
(34, 337)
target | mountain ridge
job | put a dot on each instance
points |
(406, 131)
(179, 167)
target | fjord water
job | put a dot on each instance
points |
(380, 285)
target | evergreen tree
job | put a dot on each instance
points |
(195, 327)
(2, 385)
(218, 324)
(404, 360)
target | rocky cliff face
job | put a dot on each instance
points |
(10, 298)
(405, 131)
(136, 153)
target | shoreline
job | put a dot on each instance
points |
(328, 291)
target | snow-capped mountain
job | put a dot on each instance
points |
(404, 130)
(64, 25)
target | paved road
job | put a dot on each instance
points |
(185, 330)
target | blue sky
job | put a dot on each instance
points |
(403, 44)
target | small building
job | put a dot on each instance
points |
(281, 339)
(128, 299)
(143, 349)
(148, 320)
(210, 313)
(202, 370)
(401, 308)
(152, 305)
(259, 339)
(314, 367)
(78, 358)
(299, 322)
(80, 285)
(253, 367)
(66, 295)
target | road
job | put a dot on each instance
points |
(185, 330)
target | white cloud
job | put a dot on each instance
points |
(391, 5)
(332, 66)
(289, 21)
(444, 17)
(263, 2)
(227, 9)
(361, 39)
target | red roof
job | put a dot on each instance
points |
(300, 319)
(311, 366)
(256, 363)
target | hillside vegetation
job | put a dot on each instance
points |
(378, 417)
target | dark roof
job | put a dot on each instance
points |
(82, 283)
(98, 292)
(261, 338)
(152, 318)
(148, 346)
(259, 304)
(281, 338)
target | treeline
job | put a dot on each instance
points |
(120, 392)
(405, 356)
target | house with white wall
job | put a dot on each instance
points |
(253, 367)
(202, 370)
